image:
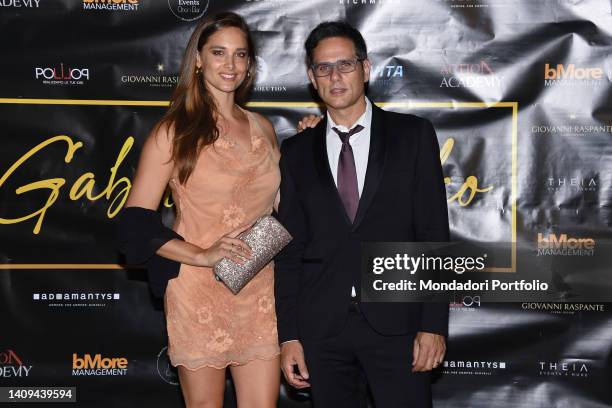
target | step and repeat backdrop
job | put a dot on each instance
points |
(518, 90)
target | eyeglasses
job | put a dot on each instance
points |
(344, 66)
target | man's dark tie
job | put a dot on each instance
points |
(347, 173)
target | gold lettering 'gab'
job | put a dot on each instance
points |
(116, 190)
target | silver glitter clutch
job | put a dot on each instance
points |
(265, 238)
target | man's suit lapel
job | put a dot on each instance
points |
(376, 163)
(324, 172)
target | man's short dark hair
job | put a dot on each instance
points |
(335, 29)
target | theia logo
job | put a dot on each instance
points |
(563, 369)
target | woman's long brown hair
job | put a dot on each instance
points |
(192, 111)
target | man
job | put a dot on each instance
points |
(362, 174)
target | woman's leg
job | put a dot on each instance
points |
(257, 383)
(202, 388)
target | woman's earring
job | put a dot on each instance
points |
(198, 71)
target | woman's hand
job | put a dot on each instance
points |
(227, 246)
(308, 121)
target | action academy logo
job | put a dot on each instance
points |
(11, 365)
(113, 5)
(466, 75)
(96, 365)
(188, 10)
(20, 3)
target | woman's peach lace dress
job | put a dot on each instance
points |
(208, 325)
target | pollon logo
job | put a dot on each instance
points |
(62, 75)
(97, 365)
(11, 365)
(465, 303)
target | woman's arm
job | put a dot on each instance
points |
(154, 171)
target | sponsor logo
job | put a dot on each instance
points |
(563, 308)
(476, 3)
(20, 3)
(96, 365)
(572, 75)
(465, 303)
(553, 244)
(261, 79)
(165, 370)
(76, 299)
(62, 75)
(154, 80)
(368, 2)
(11, 365)
(574, 368)
(188, 10)
(572, 124)
(114, 5)
(477, 75)
(576, 184)
(472, 367)
(384, 74)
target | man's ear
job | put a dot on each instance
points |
(312, 79)
(367, 66)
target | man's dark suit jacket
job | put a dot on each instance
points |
(403, 200)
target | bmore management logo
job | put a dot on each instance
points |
(112, 5)
(97, 365)
(562, 244)
(573, 75)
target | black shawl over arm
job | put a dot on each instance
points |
(140, 234)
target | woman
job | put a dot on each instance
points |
(221, 162)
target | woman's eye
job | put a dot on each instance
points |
(242, 54)
(217, 52)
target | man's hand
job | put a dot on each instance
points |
(292, 354)
(308, 121)
(428, 352)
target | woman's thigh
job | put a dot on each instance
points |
(257, 383)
